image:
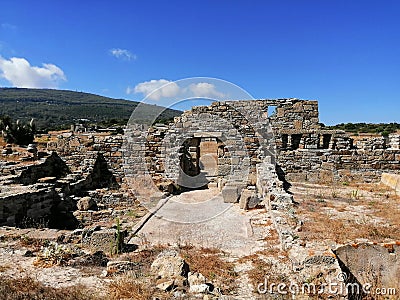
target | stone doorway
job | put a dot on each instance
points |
(199, 161)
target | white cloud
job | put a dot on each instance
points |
(156, 89)
(122, 54)
(204, 89)
(20, 73)
(166, 89)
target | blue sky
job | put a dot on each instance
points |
(346, 54)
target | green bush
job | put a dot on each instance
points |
(18, 132)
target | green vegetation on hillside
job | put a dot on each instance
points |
(382, 128)
(58, 109)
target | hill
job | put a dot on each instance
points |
(357, 128)
(58, 109)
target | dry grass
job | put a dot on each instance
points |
(144, 257)
(211, 264)
(30, 289)
(263, 268)
(4, 268)
(319, 227)
(126, 287)
(259, 272)
(264, 265)
(331, 216)
(32, 244)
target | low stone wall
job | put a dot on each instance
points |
(98, 176)
(283, 212)
(28, 208)
(338, 165)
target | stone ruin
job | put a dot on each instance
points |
(45, 193)
(225, 143)
(251, 153)
(250, 150)
(247, 150)
(243, 148)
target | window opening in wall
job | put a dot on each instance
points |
(285, 139)
(271, 111)
(326, 140)
(296, 139)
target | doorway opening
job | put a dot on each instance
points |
(199, 162)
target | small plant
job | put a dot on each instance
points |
(117, 246)
(53, 254)
(131, 213)
(354, 194)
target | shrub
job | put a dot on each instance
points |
(17, 133)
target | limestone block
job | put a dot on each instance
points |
(244, 198)
(298, 125)
(382, 261)
(164, 284)
(86, 203)
(230, 194)
(196, 278)
(212, 185)
(199, 288)
(169, 264)
(391, 180)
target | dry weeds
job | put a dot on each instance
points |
(210, 263)
(127, 287)
(330, 216)
(29, 289)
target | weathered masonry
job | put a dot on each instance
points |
(223, 143)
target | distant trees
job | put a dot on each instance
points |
(383, 129)
(18, 133)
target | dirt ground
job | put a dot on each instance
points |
(245, 243)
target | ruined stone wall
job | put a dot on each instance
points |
(80, 151)
(26, 207)
(338, 165)
(52, 166)
(245, 135)
(243, 131)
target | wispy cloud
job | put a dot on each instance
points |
(8, 26)
(20, 73)
(122, 54)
